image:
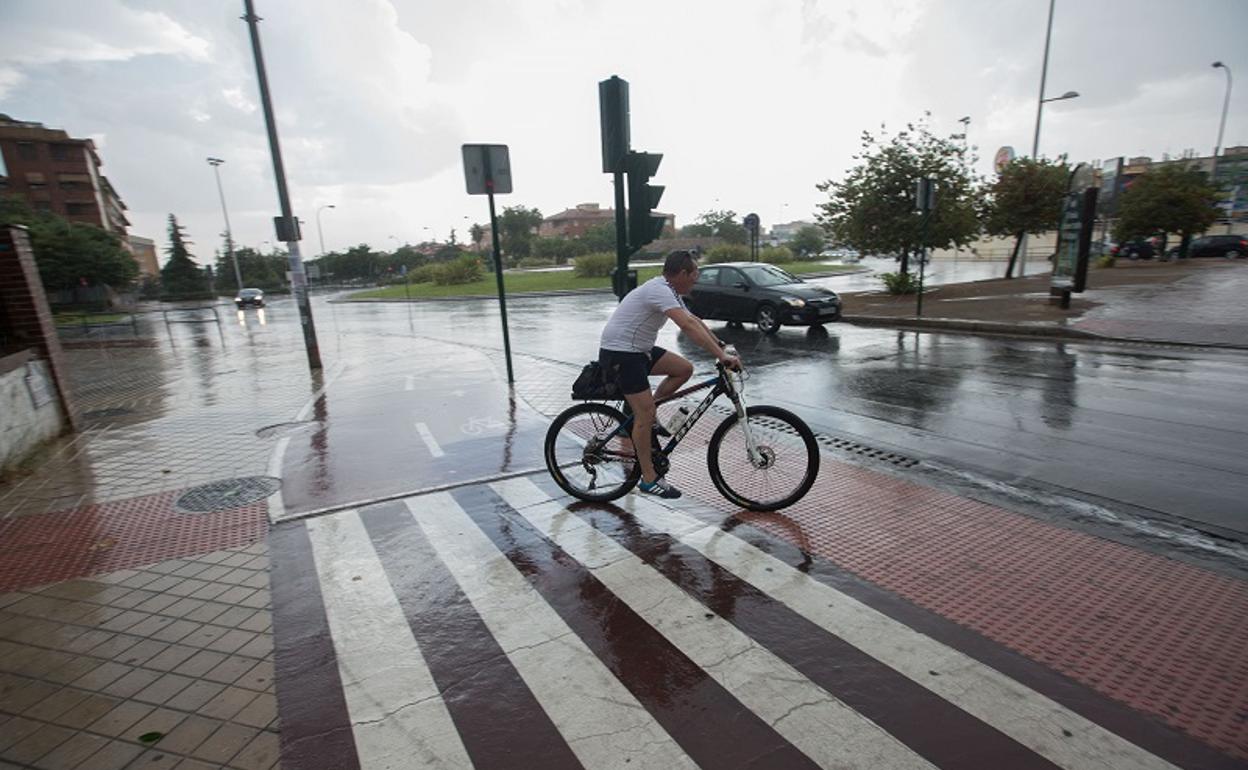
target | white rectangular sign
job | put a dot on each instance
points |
(486, 163)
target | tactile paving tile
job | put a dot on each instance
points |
(1161, 636)
(50, 547)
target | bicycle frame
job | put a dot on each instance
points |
(720, 384)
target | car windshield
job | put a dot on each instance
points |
(249, 293)
(767, 275)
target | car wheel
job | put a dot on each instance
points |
(767, 319)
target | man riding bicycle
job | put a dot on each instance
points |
(627, 352)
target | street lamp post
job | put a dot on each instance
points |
(320, 235)
(229, 237)
(965, 120)
(1226, 102)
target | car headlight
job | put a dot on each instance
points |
(794, 301)
(238, 299)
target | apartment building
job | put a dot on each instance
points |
(56, 172)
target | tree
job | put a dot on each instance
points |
(69, 253)
(559, 250)
(1172, 199)
(259, 271)
(1025, 199)
(872, 208)
(515, 230)
(718, 223)
(807, 241)
(600, 239)
(181, 277)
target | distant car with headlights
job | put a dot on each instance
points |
(249, 298)
(763, 294)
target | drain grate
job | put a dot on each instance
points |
(833, 442)
(226, 494)
(283, 428)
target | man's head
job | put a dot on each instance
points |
(681, 270)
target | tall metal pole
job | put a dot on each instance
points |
(498, 265)
(299, 279)
(1035, 142)
(621, 238)
(1226, 103)
(229, 234)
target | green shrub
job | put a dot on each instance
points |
(727, 253)
(465, 269)
(422, 274)
(775, 255)
(536, 262)
(594, 265)
(1105, 260)
(900, 283)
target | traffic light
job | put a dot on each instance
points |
(644, 226)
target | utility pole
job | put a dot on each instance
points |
(229, 236)
(287, 225)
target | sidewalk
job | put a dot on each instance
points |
(1190, 302)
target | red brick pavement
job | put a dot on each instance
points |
(62, 545)
(1161, 636)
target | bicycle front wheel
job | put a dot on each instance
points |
(780, 472)
(586, 455)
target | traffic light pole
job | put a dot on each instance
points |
(621, 238)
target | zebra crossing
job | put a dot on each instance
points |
(498, 626)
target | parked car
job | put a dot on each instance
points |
(1229, 246)
(763, 294)
(1136, 248)
(249, 298)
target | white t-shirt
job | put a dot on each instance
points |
(635, 324)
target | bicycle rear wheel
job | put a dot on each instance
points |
(781, 474)
(586, 458)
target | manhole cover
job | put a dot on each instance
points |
(226, 494)
(283, 428)
(104, 414)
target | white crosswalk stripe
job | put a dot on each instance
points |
(603, 723)
(810, 718)
(397, 716)
(1056, 733)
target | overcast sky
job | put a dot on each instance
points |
(752, 104)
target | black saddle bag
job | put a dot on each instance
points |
(593, 384)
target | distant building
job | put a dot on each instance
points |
(54, 172)
(782, 233)
(575, 222)
(144, 251)
(1231, 177)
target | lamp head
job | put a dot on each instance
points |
(1217, 64)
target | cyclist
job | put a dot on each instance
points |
(627, 352)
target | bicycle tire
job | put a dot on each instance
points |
(773, 422)
(611, 419)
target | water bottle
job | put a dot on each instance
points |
(677, 420)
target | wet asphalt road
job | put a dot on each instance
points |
(1162, 430)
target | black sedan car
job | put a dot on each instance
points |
(1228, 246)
(762, 293)
(249, 298)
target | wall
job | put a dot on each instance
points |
(26, 426)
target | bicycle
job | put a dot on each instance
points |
(763, 458)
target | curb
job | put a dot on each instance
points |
(1018, 330)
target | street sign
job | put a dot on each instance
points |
(487, 169)
(1074, 235)
(751, 222)
(1003, 158)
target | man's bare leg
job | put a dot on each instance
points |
(676, 371)
(642, 405)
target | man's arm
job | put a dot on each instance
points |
(698, 332)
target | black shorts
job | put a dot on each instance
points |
(630, 370)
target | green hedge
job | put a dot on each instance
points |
(727, 253)
(466, 269)
(594, 265)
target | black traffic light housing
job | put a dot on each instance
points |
(644, 226)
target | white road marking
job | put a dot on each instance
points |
(398, 717)
(600, 719)
(817, 723)
(426, 435)
(1034, 720)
